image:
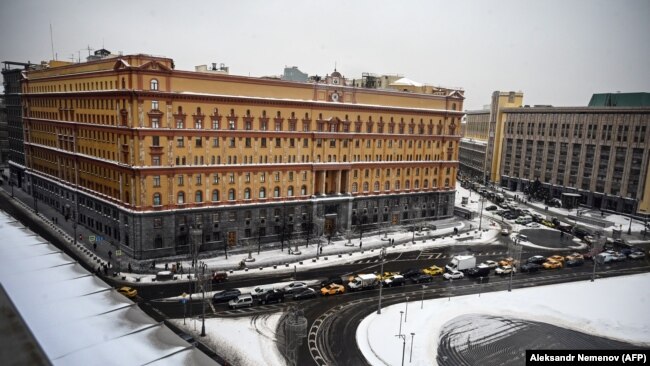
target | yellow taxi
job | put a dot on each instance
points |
(506, 262)
(128, 292)
(332, 289)
(552, 264)
(385, 275)
(574, 256)
(557, 258)
(433, 270)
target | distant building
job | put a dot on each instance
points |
(214, 69)
(294, 74)
(100, 54)
(374, 81)
(600, 152)
(4, 133)
(480, 148)
(13, 74)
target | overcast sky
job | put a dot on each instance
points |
(556, 51)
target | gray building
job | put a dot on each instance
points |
(599, 152)
(294, 74)
(12, 76)
(4, 133)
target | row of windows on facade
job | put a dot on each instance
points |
(606, 131)
(198, 196)
(85, 86)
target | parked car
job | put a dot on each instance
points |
(505, 232)
(305, 293)
(396, 280)
(127, 291)
(533, 224)
(259, 291)
(332, 289)
(619, 257)
(574, 262)
(225, 295)
(294, 287)
(537, 259)
(556, 257)
(548, 223)
(335, 279)
(636, 255)
(574, 256)
(272, 296)
(491, 208)
(503, 270)
(531, 267)
(455, 275)
(241, 301)
(411, 272)
(432, 270)
(552, 264)
(480, 271)
(218, 277)
(489, 263)
(506, 262)
(421, 278)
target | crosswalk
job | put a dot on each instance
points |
(423, 255)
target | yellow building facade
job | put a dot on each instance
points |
(141, 153)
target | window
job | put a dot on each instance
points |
(180, 123)
(276, 192)
(355, 187)
(276, 176)
(155, 140)
(155, 160)
(153, 85)
(290, 191)
(262, 177)
(180, 198)
(247, 177)
(155, 122)
(303, 190)
(231, 194)
(198, 196)
(180, 180)
(156, 199)
(198, 123)
(198, 179)
(231, 124)
(215, 124)
(198, 142)
(365, 186)
(231, 177)
(215, 195)
(157, 223)
(156, 181)
(154, 105)
(277, 142)
(248, 142)
(215, 142)
(263, 142)
(247, 194)
(180, 142)
(262, 192)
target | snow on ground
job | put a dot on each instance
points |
(240, 341)
(616, 308)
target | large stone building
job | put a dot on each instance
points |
(480, 147)
(141, 153)
(598, 154)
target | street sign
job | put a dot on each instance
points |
(91, 238)
(118, 252)
(184, 298)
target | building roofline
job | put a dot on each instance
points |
(577, 110)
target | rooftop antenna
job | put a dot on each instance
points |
(72, 58)
(334, 65)
(52, 42)
(89, 49)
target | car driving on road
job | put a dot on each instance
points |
(552, 264)
(504, 270)
(306, 293)
(225, 295)
(294, 287)
(332, 289)
(432, 270)
(455, 275)
(395, 280)
(422, 277)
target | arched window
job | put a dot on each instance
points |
(180, 198)
(397, 185)
(376, 186)
(355, 187)
(407, 184)
(276, 192)
(231, 194)
(198, 196)
(215, 195)
(387, 186)
(417, 184)
(262, 192)
(154, 84)
(290, 191)
(156, 199)
(446, 182)
(247, 193)
(303, 190)
(426, 183)
(435, 183)
(365, 186)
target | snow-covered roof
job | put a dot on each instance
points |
(405, 81)
(76, 318)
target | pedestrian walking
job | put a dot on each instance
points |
(95, 246)
(110, 254)
(130, 269)
(360, 244)
(321, 250)
(166, 267)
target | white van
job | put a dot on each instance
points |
(524, 220)
(241, 301)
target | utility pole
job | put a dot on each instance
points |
(382, 257)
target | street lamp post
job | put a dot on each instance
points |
(407, 309)
(259, 237)
(401, 313)
(422, 303)
(629, 228)
(512, 266)
(382, 256)
(480, 216)
(403, 336)
(411, 354)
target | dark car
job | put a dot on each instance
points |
(226, 295)
(272, 296)
(491, 208)
(411, 272)
(537, 259)
(478, 272)
(575, 262)
(335, 279)
(531, 267)
(580, 232)
(421, 278)
(395, 280)
(306, 293)
(219, 277)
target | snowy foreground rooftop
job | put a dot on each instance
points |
(76, 318)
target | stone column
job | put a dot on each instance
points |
(322, 183)
(338, 182)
